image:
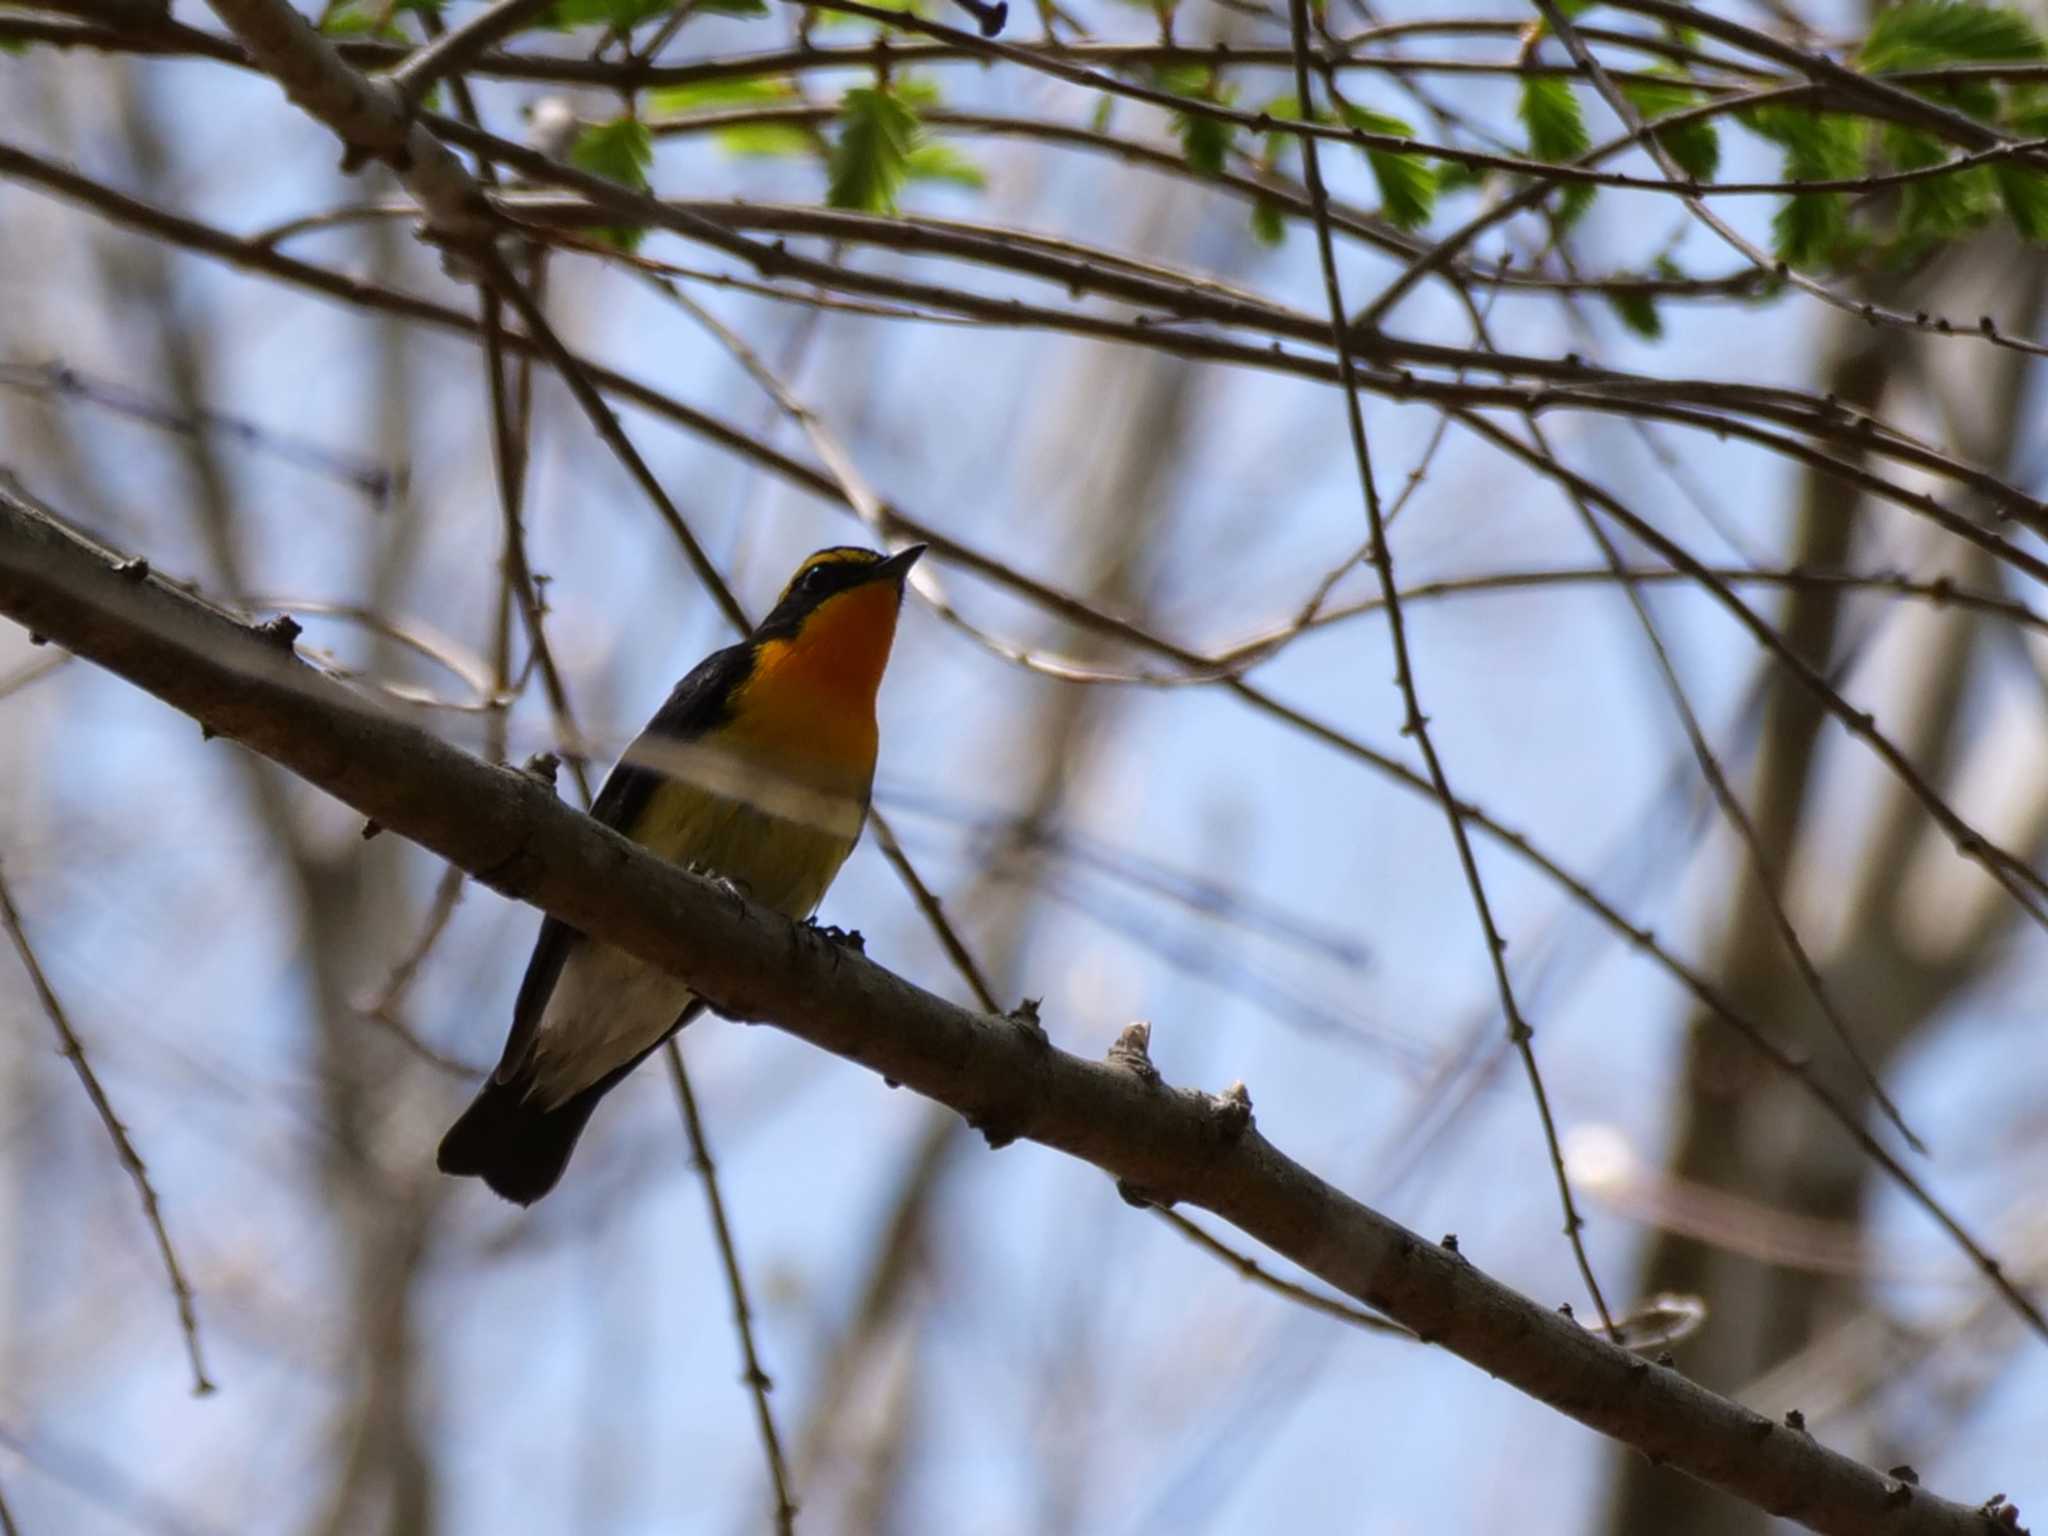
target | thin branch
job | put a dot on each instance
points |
(1259, 1275)
(73, 1051)
(1415, 725)
(1762, 858)
(30, 672)
(1603, 392)
(457, 49)
(1165, 1146)
(742, 1314)
(244, 254)
(614, 436)
(55, 379)
(2020, 880)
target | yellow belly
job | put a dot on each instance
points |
(607, 1007)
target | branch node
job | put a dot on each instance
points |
(371, 829)
(136, 569)
(282, 632)
(542, 768)
(1794, 1419)
(838, 938)
(1144, 1199)
(1449, 1243)
(1025, 1017)
(995, 1130)
(1233, 1108)
(1904, 1473)
(1133, 1052)
(1996, 1510)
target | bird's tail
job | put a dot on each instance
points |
(514, 1144)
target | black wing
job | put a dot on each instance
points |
(696, 706)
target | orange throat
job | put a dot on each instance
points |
(810, 704)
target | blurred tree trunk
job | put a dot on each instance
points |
(1739, 1127)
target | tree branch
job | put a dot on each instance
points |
(1165, 1146)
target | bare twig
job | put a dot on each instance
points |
(249, 256)
(457, 48)
(73, 1051)
(1415, 725)
(1255, 1272)
(742, 1314)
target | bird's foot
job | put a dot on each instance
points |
(1025, 1017)
(841, 938)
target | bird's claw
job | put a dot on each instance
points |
(841, 938)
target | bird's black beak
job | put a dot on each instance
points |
(898, 565)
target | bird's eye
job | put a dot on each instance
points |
(813, 580)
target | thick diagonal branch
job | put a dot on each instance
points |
(1163, 1145)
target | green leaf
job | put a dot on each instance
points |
(1204, 141)
(1408, 185)
(1811, 228)
(708, 95)
(1459, 176)
(1269, 224)
(1279, 142)
(1819, 146)
(730, 7)
(1696, 147)
(1407, 182)
(1943, 207)
(1185, 79)
(826, 20)
(2025, 196)
(942, 162)
(1638, 311)
(621, 151)
(766, 141)
(362, 18)
(622, 15)
(1557, 132)
(745, 140)
(868, 165)
(1922, 33)
(1940, 207)
(1550, 111)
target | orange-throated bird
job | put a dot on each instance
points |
(758, 770)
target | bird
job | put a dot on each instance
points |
(757, 771)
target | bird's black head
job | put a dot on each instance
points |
(825, 576)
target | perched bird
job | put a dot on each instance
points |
(757, 770)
